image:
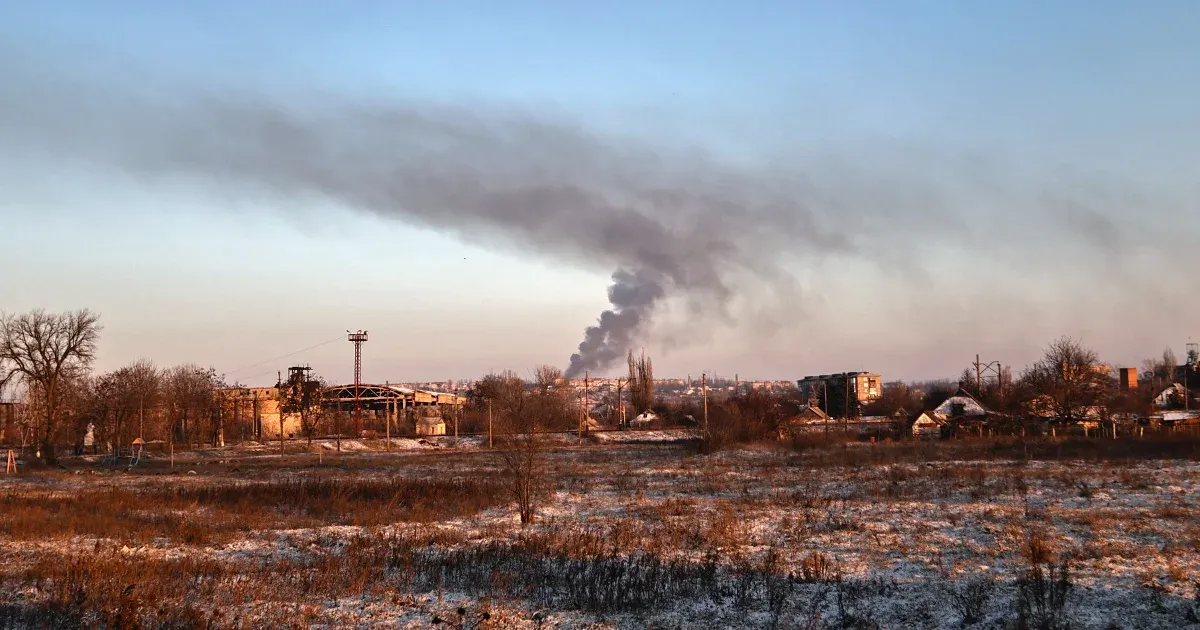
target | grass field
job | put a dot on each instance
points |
(628, 535)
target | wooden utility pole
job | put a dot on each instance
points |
(387, 445)
(587, 406)
(704, 391)
(620, 405)
(580, 418)
(489, 423)
(281, 431)
(825, 395)
(846, 403)
(978, 377)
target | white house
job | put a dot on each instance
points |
(644, 419)
(927, 425)
(1170, 395)
(960, 405)
(431, 425)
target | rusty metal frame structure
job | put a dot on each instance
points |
(357, 338)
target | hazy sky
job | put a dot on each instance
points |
(893, 186)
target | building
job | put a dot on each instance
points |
(431, 425)
(928, 425)
(1128, 378)
(259, 407)
(838, 392)
(1175, 395)
(809, 413)
(960, 405)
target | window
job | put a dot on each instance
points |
(958, 409)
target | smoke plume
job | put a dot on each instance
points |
(676, 226)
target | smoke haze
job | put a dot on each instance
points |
(722, 241)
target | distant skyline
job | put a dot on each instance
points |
(839, 186)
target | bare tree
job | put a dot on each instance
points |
(1161, 371)
(192, 404)
(524, 417)
(1069, 379)
(302, 394)
(641, 382)
(44, 351)
(142, 381)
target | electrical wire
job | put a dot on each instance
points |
(284, 356)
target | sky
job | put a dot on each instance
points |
(890, 186)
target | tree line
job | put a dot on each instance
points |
(47, 358)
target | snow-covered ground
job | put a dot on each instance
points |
(634, 536)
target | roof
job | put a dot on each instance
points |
(931, 416)
(972, 406)
(822, 377)
(1178, 416)
(811, 410)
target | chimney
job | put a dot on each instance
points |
(1128, 379)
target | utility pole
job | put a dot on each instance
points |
(704, 393)
(825, 400)
(357, 338)
(846, 408)
(620, 405)
(587, 407)
(978, 377)
(489, 423)
(279, 406)
(982, 369)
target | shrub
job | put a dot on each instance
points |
(817, 567)
(970, 598)
(1042, 594)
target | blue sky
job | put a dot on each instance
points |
(1106, 89)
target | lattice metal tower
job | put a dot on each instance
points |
(357, 338)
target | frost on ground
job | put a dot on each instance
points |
(628, 536)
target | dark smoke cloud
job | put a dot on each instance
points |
(675, 225)
(633, 295)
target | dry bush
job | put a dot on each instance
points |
(1042, 597)
(818, 567)
(970, 598)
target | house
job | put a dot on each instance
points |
(928, 425)
(1174, 418)
(808, 413)
(644, 419)
(1171, 396)
(431, 425)
(960, 405)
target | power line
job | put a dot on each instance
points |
(284, 356)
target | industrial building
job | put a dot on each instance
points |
(378, 404)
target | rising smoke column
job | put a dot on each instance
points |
(633, 296)
(671, 226)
